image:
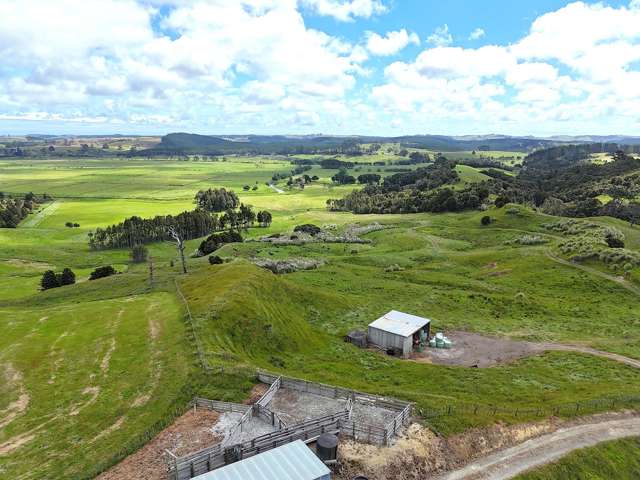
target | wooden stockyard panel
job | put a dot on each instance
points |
(210, 458)
(376, 434)
(220, 406)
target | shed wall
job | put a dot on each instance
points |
(390, 340)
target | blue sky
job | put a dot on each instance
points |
(385, 67)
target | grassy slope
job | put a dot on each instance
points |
(618, 460)
(445, 278)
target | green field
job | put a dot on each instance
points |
(618, 459)
(105, 361)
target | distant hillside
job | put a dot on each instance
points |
(288, 144)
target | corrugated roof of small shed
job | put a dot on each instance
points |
(293, 461)
(399, 323)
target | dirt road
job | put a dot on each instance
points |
(482, 351)
(544, 449)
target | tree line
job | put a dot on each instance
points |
(414, 191)
(15, 209)
(186, 225)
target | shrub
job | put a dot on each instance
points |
(217, 240)
(215, 260)
(67, 277)
(76, 225)
(529, 240)
(308, 228)
(49, 280)
(501, 201)
(102, 272)
(68, 224)
(485, 220)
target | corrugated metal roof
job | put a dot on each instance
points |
(293, 461)
(400, 323)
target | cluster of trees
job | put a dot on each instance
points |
(13, 210)
(375, 199)
(343, 177)
(264, 218)
(71, 224)
(367, 178)
(333, 163)
(217, 240)
(102, 272)
(302, 180)
(441, 172)
(560, 157)
(572, 190)
(50, 279)
(415, 158)
(300, 169)
(137, 231)
(216, 200)
(413, 191)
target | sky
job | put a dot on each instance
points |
(369, 67)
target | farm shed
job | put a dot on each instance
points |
(399, 331)
(293, 461)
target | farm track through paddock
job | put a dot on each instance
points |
(37, 218)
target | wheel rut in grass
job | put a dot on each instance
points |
(619, 280)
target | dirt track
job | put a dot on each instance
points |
(475, 350)
(544, 449)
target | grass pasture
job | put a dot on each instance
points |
(103, 362)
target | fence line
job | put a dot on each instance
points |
(571, 408)
(220, 406)
(333, 392)
(205, 460)
(201, 356)
(270, 393)
(363, 431)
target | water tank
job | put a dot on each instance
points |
(327, 447)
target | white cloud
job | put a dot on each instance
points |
(441, 37)
(391, 43)
(346, 10)
(477, 34)
(576, 65)
(107, 50)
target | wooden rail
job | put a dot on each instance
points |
(205, 460)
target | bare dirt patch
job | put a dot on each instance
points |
(15, 442)
(94, 392)
(190, 432)
(13, 378)
(104, 364)
(295, 407)
(474, 350)
(420, 453)
(481, 351)
(258, 390)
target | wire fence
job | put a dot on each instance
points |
(565, 409)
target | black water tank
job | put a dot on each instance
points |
(327, 447)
